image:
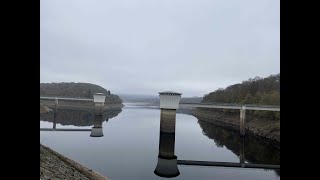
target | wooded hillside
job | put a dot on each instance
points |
(264, 91)
(77, 90)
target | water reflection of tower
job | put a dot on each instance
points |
(167, 160)
(97, 129)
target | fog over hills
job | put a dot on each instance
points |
(153, 99)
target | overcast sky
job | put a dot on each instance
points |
(146, 46)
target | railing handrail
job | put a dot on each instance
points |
(64, 129)
(232, 106)
(66, 98)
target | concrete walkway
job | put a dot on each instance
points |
(56, 166)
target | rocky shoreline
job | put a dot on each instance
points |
(56, 166)
(265, 128)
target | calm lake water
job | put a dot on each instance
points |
(130, 146)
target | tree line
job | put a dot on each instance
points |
(77, 90)
(259, 91)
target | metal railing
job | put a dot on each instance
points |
(66, 98)
(232, 106)
(227, 164)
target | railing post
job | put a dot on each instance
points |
(99, 100)
(56, 103)
(242, 120)
(167, 160)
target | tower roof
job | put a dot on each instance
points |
(169, 93)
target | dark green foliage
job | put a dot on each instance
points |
(253, 91)
(260, 91)
(77, 90)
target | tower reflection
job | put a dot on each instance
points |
(97, 129)
(167, 160)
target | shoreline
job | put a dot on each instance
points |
(54, 165)
(267, 129)
(81, 105)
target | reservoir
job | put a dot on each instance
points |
(129, 147)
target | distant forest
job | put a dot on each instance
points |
(77, 90)
(264, 91)
(260, 91)
(191, 99)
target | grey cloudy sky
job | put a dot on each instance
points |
(147, 46)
